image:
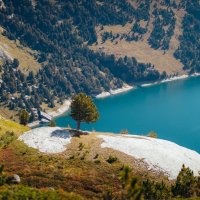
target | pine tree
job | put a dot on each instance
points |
(15, 63)
(186, 183)
(52, 123)
(155, 190)
(24, 117)
(130, 187)
(83, 109)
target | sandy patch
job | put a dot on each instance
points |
(160, 155)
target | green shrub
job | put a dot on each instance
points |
(52, 123)
(72, 157)
(81, 146)
(7, 138)
(131, 189)
(111, 159)
(97, 161)
(124, 132)
(186, 184)
(155, 191)
(84, 155)
(96, 156)
(2, 177)
(152, 134)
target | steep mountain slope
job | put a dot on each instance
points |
(94, 46)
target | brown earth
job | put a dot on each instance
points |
(141, 50)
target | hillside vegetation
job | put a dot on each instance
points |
(84, 171)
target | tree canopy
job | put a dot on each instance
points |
(24, 117)
(83, 109)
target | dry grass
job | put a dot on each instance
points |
(39, 170)
(83, 177)
(7, 125)
(134, 3)
(25, 55)
(143, 53)
(9, 114)
(141, 50)
(92, 147)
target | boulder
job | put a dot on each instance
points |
(14, 179)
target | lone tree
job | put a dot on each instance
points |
(15, 63)
(83, 109)
(52, 123)
(24, 117)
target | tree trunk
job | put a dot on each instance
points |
(78, 125)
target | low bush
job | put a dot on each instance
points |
(2, 177)
(152, 134)
(97, 161)
(72, 157)
(96, 156)
(111, 159)
(124, 132)
(81, 146)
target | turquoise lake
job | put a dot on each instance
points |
(170, 109)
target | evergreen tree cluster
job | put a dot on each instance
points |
(163, 30)
(143, 13)
(185, 186)
(18, 91)
(189, 49)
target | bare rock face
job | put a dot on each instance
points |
(14, 179)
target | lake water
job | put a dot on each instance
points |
(170, 109)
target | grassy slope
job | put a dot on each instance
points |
(14, 49)
(75, 174)
(81, 169)
(141, 49)
(7, 125)
(9, 114)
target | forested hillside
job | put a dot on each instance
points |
(72, 46)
